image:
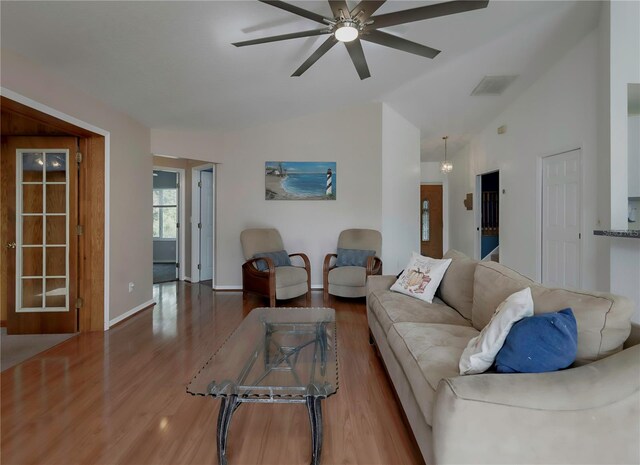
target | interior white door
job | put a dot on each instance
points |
(561, 219)
(206, 230)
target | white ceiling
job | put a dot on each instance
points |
(171, 65)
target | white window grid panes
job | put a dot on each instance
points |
(164, 199)
(20, 215)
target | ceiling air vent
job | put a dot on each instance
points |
(493, 85)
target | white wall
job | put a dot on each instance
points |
(400, 190)
(350, 136)
(130, 252)
(624, 68)
(558, 112)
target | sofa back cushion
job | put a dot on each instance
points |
(604, 320)
(456, 287)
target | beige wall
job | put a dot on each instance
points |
(351, 137)
(130, 247)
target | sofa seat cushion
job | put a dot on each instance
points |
(355, 276)
(391, 307)
(428, 353)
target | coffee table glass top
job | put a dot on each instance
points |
(275, 354)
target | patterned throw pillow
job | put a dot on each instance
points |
(481, 351)
(280, 258)
(421, 277)
(353, 257)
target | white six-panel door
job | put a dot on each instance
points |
(561, 219)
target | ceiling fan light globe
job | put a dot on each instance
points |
(346, 32)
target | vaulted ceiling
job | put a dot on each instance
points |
(172, 65)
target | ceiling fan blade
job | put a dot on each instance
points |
(357, 56)
(294, 35)
(339, 9)
(315, 56)
(366, 8)
(388, 40)
(426, 12)
(296, 10)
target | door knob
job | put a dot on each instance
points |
(11, 245)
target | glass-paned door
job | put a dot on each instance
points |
(42, 230)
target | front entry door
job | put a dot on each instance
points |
(39, 239)
(431, 220)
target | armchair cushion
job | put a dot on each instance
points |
(353, 257)
(287, 276)
(280, 258)
(355, 276)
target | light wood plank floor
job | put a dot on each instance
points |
(119, 397)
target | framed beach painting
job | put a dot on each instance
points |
(300, 180)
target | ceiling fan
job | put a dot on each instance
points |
(352, 26)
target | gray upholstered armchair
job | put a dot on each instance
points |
(349, 280)
(275, 282)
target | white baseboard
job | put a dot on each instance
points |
(187, 278)
(133, 311)
(314, 287)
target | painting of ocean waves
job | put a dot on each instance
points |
(300, 180)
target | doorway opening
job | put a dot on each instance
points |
(488, 216)
(431, 220)
(167, 212)
(203, 237)
(52, 224)
(561, 219)
(183, 220)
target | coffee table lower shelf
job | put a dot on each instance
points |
(231, 403)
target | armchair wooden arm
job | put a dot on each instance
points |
(260, 282)
(374, 266)
(325, 273)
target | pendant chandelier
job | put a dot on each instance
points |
(446, 166)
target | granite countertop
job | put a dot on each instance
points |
(632, 233)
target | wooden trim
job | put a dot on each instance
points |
(92, 204)
(46, 122)
(91, 244)
(3, 323)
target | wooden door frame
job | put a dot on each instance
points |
(540, 209)
(95, 145)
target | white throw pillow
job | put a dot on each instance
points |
(421, 277)
(481, 351)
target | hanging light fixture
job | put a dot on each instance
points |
(446, 166)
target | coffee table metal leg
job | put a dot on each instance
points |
(315, 419)
(228, 406)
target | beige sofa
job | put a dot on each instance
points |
(589, 413)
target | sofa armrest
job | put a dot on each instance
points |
(581, 415)
(375, 283)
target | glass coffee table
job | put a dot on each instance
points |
(276, 356)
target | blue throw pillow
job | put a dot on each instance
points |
(280, 258)
(353, 257)
(540, 343)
